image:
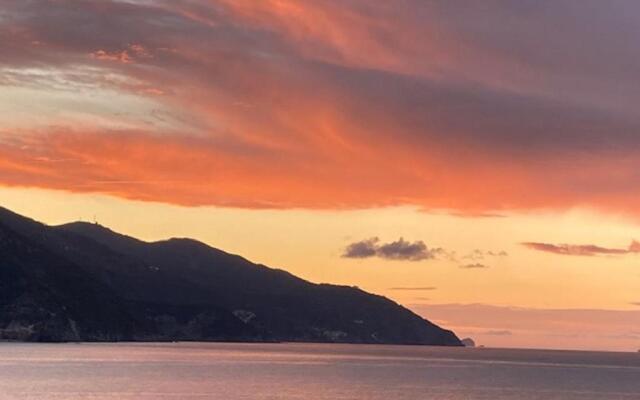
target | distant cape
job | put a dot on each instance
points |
(84, 282)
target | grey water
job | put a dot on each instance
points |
(310, 371)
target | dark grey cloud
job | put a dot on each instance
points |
(363, 249)
(401, 250)
(404, 250)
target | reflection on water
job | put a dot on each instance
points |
(311, 372)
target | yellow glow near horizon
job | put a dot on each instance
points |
(310, 244)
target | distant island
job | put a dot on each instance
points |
(468, 342)
(84, 282)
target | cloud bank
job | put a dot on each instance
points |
(322, 104)
(522, 327)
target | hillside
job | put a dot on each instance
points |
(84, 282)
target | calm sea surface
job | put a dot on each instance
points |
(310, 372)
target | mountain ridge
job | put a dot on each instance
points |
(85, 282)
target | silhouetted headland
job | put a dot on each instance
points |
(84, 282)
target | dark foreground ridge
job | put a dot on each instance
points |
(83, 282)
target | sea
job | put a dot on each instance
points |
(184, 371)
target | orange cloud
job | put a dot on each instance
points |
(318, 104)
(197, 171)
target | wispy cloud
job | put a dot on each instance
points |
(589, 250)
(478, 254)
(474, 266)
(414, 289)
(477, 215)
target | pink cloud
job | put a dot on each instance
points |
(582, 250)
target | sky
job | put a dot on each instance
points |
(474, 161)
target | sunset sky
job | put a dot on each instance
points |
(476, 161)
